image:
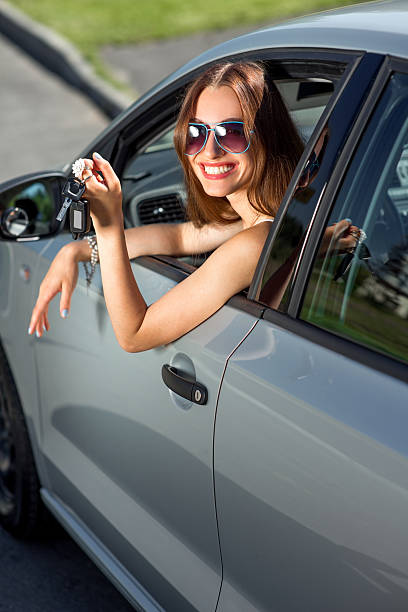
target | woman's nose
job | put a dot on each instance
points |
(211, 146)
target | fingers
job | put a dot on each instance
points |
(39, 322)
(65, 301)
(91, 175)
(346, 235)
(111, 180)
(342, 227)
(89, 164)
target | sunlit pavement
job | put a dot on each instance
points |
(44, 123)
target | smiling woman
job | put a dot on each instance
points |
(257, 154)
(238, 148)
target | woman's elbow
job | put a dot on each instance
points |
(131, 347)
(135, 344)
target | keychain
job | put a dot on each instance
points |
(360, 250)
(79, 217)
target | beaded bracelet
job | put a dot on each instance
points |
(89, 272)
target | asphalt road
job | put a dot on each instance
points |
(44, 124)
(51, 575)
(142, 66)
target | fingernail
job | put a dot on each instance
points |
(37, 333)
(64, 313)
(97, 156)
(44, 328)
(349, 220)
(29, 331)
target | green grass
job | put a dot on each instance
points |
(90, 24)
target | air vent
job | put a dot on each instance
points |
(161, 209)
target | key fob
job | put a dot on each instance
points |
(73, 189)
(79, 218)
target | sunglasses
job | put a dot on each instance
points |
(229, 135)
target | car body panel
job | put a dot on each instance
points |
(310, 464)
(125, 582)
(111, 430)
(17, 273)
(288, 489)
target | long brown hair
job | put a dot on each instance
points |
(275, 144)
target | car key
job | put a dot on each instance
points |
(361, 251)
(343, 266)
(79, 218)
(73, 190)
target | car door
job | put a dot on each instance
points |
(128, 460)
(131, 459)
(129, 463)
(35, 196)
(311, 441)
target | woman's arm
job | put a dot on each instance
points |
(173, 239)
(157, 239)
(138, 327)
(177, 239)
(228, 270)
(338, 237)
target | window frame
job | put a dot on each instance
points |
(291, 318)
(156, 113)
(341, 98)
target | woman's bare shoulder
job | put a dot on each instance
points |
(239, 254)
(247, 241)
(227, 271)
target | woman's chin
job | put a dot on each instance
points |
(216, 192)
(217, 189)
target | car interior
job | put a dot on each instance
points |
(370, 293)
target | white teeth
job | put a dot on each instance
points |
(217, 169)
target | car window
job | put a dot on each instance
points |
(153, 181)
(275, 280)
(161, 143)
(363, 295)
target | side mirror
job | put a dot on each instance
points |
(29, 206)
(15, 221)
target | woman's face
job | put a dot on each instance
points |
(219, 172)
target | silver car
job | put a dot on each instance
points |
(259, 462)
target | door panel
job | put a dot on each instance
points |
(18, 263)
(311, 479)
(116, 436)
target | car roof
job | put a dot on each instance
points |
(379, 27)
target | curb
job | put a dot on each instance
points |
(61, 57)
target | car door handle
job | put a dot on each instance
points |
(184, 384)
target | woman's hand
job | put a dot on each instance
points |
(342, 236)
(61, 278)
(103, 192)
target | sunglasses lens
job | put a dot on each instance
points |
(231, 136)
(195, 138)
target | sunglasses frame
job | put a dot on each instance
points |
(212, 129)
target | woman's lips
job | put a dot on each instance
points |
(215, 172)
